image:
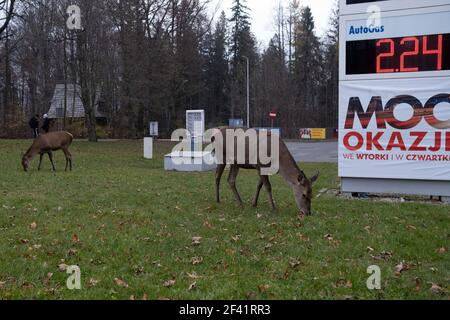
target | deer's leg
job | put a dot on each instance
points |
(258, 190)
(219, 173)
(40, 161)
(234, 171)
(68, 158)
(268, 186)
(50, 155)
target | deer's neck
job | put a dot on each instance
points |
(31, 153)
(289, 169)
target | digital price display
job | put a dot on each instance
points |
(402, 54)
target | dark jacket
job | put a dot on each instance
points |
(34, 123)
(46, 125)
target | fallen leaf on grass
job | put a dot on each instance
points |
(48, 278)
(250, 295)
(303, 237)
(342, 283)
(196, 241)
(27, 285)
(72, 252)
(197, 260)
(442, 250)
(193, 275)
(402, 267)
(138, 270)
(263, 288)
(385, 255)
(93, 282)
(337, 243)
(63, 267)
(294, 263)
(33, 226)
(208, 225)
(418, 284)
(436, 289)
(121, 283)
(169, 283)
(193, 286)
(329, 237)
(75, 238)
(236, 238)
(230, 252)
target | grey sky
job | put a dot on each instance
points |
(263, 11)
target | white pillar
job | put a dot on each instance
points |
(148, 148)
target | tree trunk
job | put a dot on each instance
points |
(65, 80)
(91, 124)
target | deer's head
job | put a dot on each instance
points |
(25, 163)
(303, 192)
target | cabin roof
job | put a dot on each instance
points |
(75, 107)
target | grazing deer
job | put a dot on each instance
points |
(288, 169)
(46, 144)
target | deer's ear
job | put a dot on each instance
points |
(301, 180)
(315, 178)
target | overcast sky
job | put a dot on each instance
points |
(263, 11)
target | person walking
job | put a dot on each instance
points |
(46, 125)
(34, 125)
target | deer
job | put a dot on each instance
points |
(46, 144)
(301, 185)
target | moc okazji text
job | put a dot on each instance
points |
(226, 310)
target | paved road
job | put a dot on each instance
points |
(326, 152)
(314, 152)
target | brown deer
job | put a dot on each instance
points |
(46, 144)
(288, 169)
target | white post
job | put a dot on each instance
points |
(148, 148)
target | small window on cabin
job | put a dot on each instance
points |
(60, 112)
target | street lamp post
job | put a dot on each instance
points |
(248, 92)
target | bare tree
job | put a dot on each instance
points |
(6, 13)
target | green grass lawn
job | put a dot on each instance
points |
(129, 226)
